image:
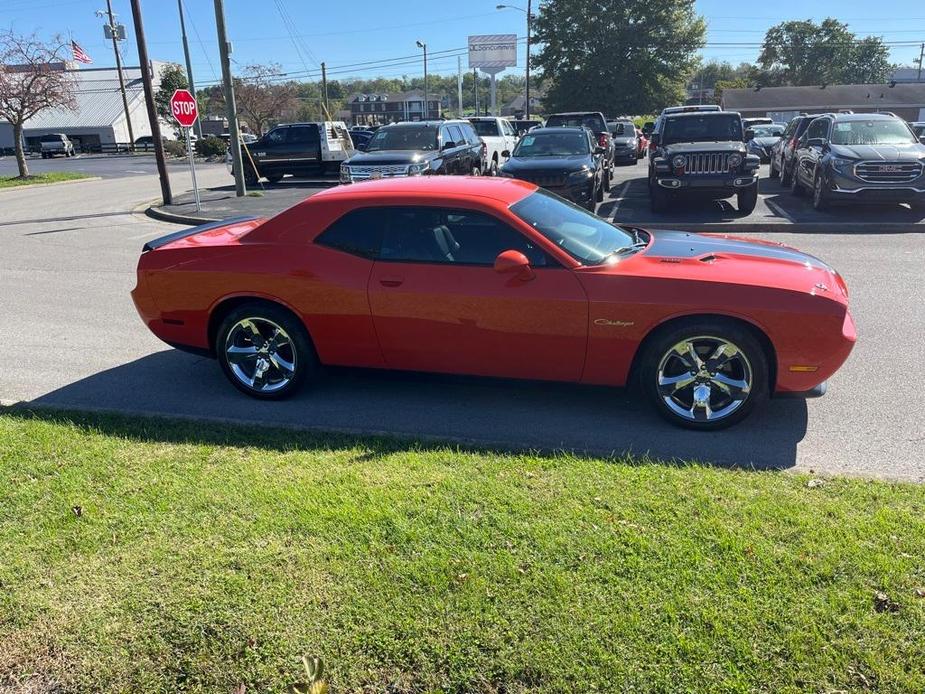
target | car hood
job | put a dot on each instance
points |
(909, 152)
(391, 156)
(551, 164)
(766, 141)
(681, 147)
(727, 260)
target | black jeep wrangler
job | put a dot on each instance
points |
(702, 155)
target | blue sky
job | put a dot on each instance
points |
(346, 33)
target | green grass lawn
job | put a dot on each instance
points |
(155, 556)
(50, 177)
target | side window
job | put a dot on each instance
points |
(508, 128)
(276, 136)
(788, 131)
(818, 128)
(463, 237)
(456, 135)
(444, 135)
(358, 232)
(303, 134)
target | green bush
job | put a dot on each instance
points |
(175, 148)
(211, 147)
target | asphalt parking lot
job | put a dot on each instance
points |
(102, 165)
(67, 265)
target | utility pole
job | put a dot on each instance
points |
(459, 82)
(475, 86)
(224, 49)
(115, 49)
(189, 65)
(921, 56)
(149, 102)
(324, 90)
(527, 65)
(423, 46)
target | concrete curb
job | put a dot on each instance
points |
(48, 185)
(154, 212)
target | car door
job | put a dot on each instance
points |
(439, 305)
(811, 152)
(461, 153)
(303, 146)
(269, 152)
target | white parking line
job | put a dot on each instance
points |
(620, 197)
(779, 210)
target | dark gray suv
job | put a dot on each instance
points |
(860, 157)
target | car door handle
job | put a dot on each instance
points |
(391, 281)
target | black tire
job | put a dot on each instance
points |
(275, 178)
(786, 176)
(820, 193)
(796, 188)
(250, 176)
(773, 172)
(476, 171)
(493, 168)
(658, 198)
(599, 193)
(700, 331)
(746, 199)
(298, 350)
(605, 185)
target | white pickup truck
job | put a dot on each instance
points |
(498, 135)
(56, 143)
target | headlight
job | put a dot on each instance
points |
(843, 165)
(735, 159)
(418, 169)
(678, 161)
(581, 175)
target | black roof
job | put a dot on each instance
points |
(698, 114)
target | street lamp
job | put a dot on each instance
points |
(423, 46)
(527, 81)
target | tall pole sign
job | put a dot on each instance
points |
(492, 53)
(185, 112)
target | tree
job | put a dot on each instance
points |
(802, 52)
(261, 100)
(617, 56)
(173, 77)
(30, 82)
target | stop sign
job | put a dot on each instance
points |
(183, 107)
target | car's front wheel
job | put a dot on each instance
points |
(265, 351)
(820, 193)
(747, 198)
(796, 188)
(705, 374)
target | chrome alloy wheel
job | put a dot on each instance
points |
(260, 354)
(704, 379)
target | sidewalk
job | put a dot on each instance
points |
(221, 202)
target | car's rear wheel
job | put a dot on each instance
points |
(265, 351)
(746, 199)
(705, 374)
(275, 178)
(493, 168)
(772, 169)
(785, 176)
(475, 171)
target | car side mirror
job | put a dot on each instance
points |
(514, 263)
(749, 135)
(361, 147)
(506, 154)
(655, 138)
(922, 139)
(448, 145)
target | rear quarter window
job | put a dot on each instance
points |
(358, 233)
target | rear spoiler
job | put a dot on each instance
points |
(154, 244)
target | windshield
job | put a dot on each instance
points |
(872, 132)
(768, 130)
(622, 129)
(485, 128)
(586, 237)
(404, 137)
(51, 138)
(565, 144)
(705, 128)
(590, 120)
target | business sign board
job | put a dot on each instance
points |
(493, 51)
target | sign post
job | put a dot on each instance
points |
(185, 112)
(492, 53)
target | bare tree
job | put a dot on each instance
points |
(32, 80)
(260, 99)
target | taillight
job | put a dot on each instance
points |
(602, 140)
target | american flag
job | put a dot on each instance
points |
(79, 54)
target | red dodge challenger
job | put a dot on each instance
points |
(495, 277)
